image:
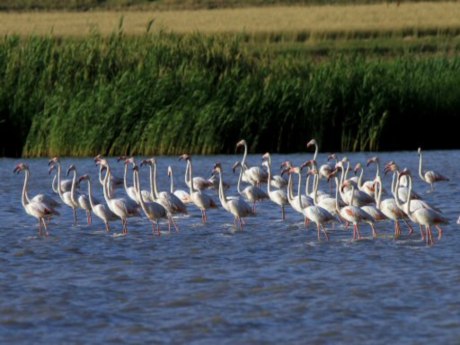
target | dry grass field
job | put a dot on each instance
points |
(315, 21)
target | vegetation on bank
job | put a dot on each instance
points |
(167, 94)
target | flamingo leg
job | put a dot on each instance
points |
(88, 217)
(325, 233)
(174, 224)
(75, 217)
(254, 207)
(319, 231)
(107, 227)
(44, 226)
(411, 229)
(439, 231)
(283, 215)
(374, 232)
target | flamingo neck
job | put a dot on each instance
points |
(420, 166)
(72, 188)
(155, 188)
(171, 182)
(90, 194)
(190, 175)
(24, 197)
(125, 177)
(105, 184)
(298, 192)
(59, 179)
(316, 152)
(222, 197)
(54, 186)
(245, 154)
(360, 178)
(137, 186)
(240, 176)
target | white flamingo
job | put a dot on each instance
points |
(66, 197)
(352, 214)
(278, 196)
(81, 199)
(122, 207)
(99, 209)
(253, 175)
(314, 213)
(181, 194)
(153, 210)
(426, 217)
(236, 206)
(169, 201)
(251, 193)
(34, 207)
(198, 197)
(301, 201)
(429, 176)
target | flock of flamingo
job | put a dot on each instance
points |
(354, 201)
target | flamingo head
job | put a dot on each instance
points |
(266, 156)
(310, 163)
(71, 168)
(390, 166)
(53, 160)
(374, 159)
(150, 162)
(357, 168)
(185, 157)
(83, 178)
(98, 158)
(102, 162)
(294, 170)
(169, 171)
(419, 151)
(217, 168)
(122, 158)
(135, 167)
(242, 142)
(339, 165)
(286, 164)
(20, 167)
(312, 142)
(332, 156)
(405, 171)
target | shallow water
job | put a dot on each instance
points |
(272, 282)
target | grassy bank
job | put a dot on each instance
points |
(166, 94)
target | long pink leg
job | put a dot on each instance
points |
(439, 231)
(325, 233)
(283, 216)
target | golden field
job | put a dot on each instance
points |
(310, 19)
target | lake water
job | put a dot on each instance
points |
(271, 283)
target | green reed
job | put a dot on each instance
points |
(168, 94)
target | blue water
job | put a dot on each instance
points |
(271, 283)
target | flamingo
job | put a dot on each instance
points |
(251, 193)
(199, 183)
(66, 197)
(324, 200)
(122, 207)
(429, 176)
(350, 213)
(99, 209)
(314, 213)
(114, 181)
(426, 217)
(374, 210)
(167, 199)
(364, 186)
(237, 207)
(181, 194)
(253, 175)
(278, 196)
(153, 210)
(359, 198)
(299, 202)
(325, 170)
(35, 207)
(83, 199)
(391, 210)
(401, 183)
(198, 197)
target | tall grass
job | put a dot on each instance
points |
(166, 94)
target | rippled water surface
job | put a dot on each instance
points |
(271, 283)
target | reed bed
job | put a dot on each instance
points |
(167, 93)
